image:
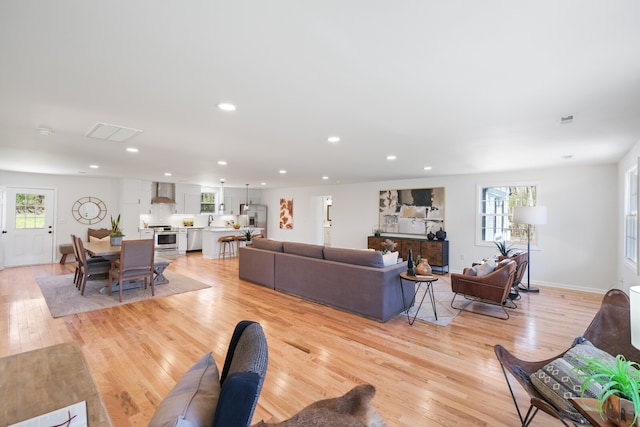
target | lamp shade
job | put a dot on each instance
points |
(530, 215)
(634, 314)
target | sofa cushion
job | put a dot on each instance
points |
(267, 244)
(193, 399)
(303, 249)
(354, 256)
(390, 258)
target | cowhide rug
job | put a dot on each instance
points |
(351, 410)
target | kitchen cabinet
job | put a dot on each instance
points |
(188, 199)
(182, 241)
(135, 200)
(146, 233)
(435, 251)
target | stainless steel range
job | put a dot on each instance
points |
(166, 239)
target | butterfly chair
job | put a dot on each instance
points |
(136, 262)
(202, 398)
(87, 267)
(609, 330)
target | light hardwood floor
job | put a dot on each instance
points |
(425, 375)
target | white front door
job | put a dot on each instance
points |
(29, 226)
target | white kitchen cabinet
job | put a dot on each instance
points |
(188, 199)
(135, 200)
(182, 241)
(146, 233)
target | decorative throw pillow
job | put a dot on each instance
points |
(192, 402)
(561, 379)
(485, 268)
(390, 258)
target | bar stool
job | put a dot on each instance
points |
(226, 246)
(239, 242)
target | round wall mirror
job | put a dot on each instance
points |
(89, 210)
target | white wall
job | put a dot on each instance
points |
(69, 189)
(577, 248)
(627, 272)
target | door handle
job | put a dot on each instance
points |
(50, 231)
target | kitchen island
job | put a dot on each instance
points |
(210, 236)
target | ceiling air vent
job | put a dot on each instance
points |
(112, 132)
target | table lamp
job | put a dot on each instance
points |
(530, 215)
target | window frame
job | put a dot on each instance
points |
(214, 204)
(520, 243)
(631, 208)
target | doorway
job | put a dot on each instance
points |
(28, 232)
(327, 203)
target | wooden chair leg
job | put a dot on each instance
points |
(120, 286)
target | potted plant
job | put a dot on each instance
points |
(388, 246)
(116, 234)
(247, 234)
(620, 381)
(505, 251)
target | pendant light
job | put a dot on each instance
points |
(246, 205)
(221, 204)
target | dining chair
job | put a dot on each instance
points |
(136, 262)
(88, 268)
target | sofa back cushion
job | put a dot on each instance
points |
(303, 249)
(267, 244)
(354, 256)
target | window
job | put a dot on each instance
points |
(631, 217)
(208, 202)
(30, 211)
(496, 210)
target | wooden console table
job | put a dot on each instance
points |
(435, 251)
(40, 381)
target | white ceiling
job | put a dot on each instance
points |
(464, 86)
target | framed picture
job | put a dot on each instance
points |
(286, 214)
(411, 211)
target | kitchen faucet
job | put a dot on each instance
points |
(210, 221)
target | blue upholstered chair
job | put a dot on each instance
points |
(202, 398)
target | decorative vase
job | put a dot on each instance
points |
(441, 234)
(619, 411)
(423, 268)
(431, 236)
(410, 268)
(115, 240)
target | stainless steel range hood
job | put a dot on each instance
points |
(163, 193)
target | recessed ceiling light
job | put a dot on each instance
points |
(391, 157)
(325, 177)
(428, 168)
(333, 139)
(568, 156)
(263, 183)
(167, 174)
(283, 171)
(222, 163)
(224, 106)
(132, 150)
(94, 166)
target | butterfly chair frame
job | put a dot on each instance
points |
(609, 330)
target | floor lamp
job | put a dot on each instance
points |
(530, 215)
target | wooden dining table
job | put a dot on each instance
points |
(104, 249)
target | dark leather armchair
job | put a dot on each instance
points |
(492, 288)
(610, 330)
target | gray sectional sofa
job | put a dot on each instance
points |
(354, 280)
